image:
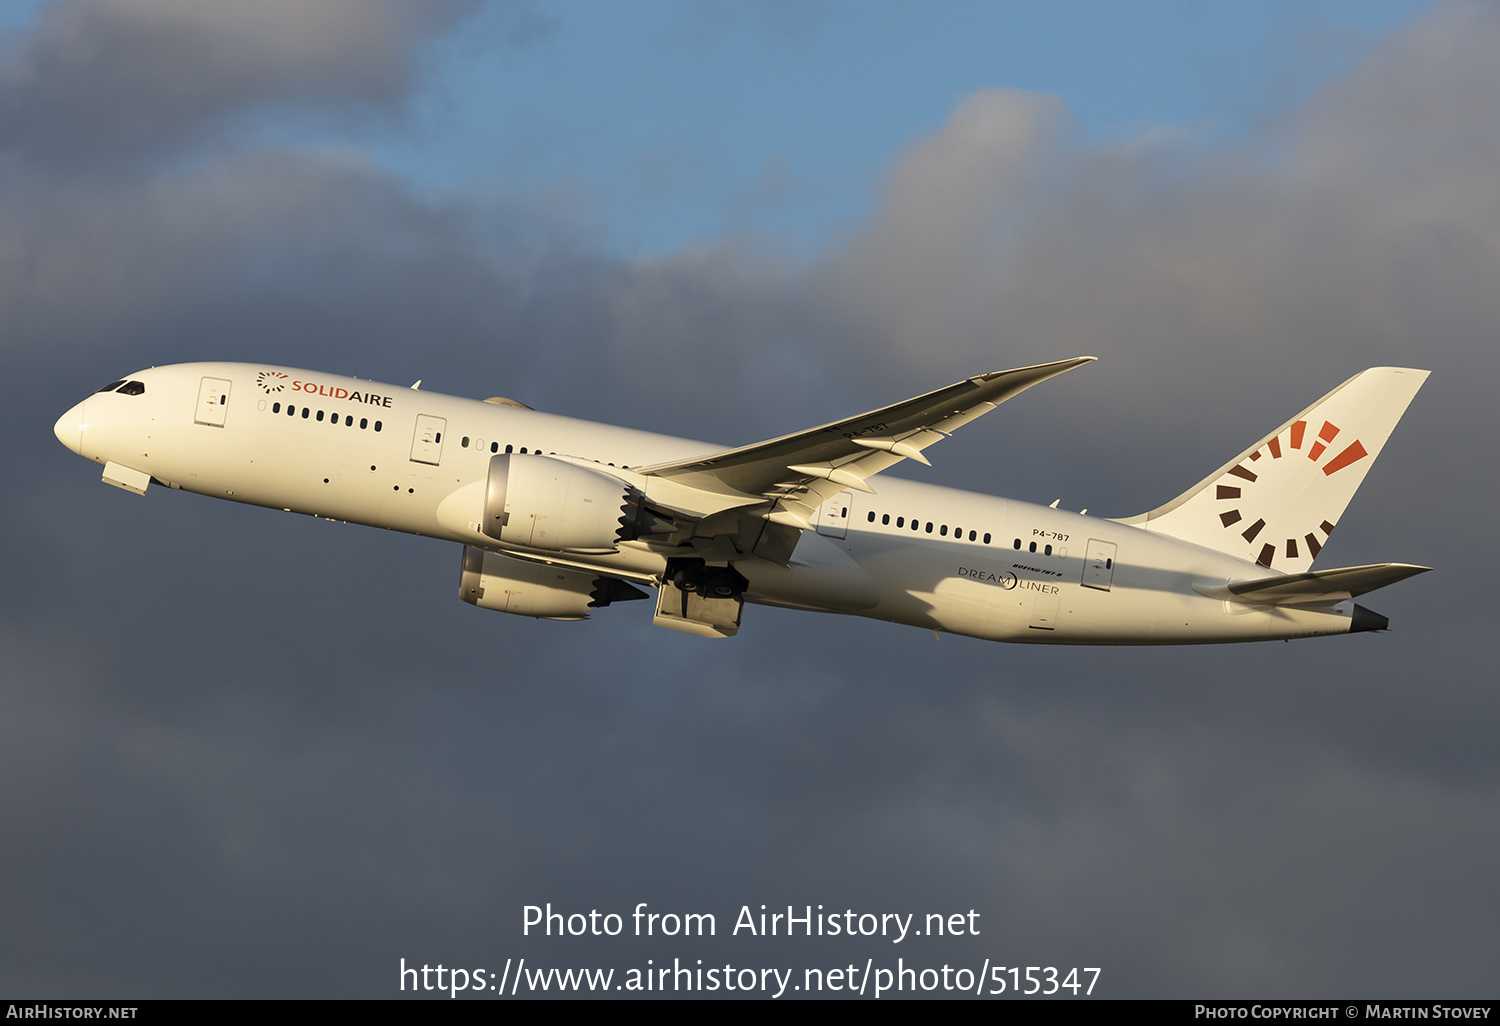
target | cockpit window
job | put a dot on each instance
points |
(132, 388)
(111, 386)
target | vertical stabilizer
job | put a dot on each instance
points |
(1277, 502)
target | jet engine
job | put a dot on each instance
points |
(543, 503)
(535, 589)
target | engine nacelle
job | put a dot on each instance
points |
(542, 503)
(534, 589)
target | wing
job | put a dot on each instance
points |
(783, 481)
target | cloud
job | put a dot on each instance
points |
(954, 203)
(92, 82)
(1358, 229)
(247, 753)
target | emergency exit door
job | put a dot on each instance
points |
(833, 515)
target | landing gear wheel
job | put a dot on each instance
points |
(690, 579)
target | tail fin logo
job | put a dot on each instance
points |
(1277, 502)
(1297, 444)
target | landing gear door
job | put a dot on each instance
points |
(213, 402)
(1099, 565)
(427, 442)
(833, 515)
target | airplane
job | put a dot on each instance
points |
(560, 517)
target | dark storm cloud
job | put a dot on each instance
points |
(1359, 230)
(244, 753)
(92, 82)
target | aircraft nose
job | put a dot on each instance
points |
(69, 428)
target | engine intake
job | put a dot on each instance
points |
(543, 503)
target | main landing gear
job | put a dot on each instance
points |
(701, 599)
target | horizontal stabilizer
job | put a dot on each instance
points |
(1316, 587)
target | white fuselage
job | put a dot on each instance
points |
(976, 565)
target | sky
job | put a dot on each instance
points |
(244, 754)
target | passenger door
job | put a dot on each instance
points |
(1099, 565)
(213, 402)
(427, 440)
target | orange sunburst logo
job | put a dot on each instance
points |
(271, 382)
(1297, 443)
